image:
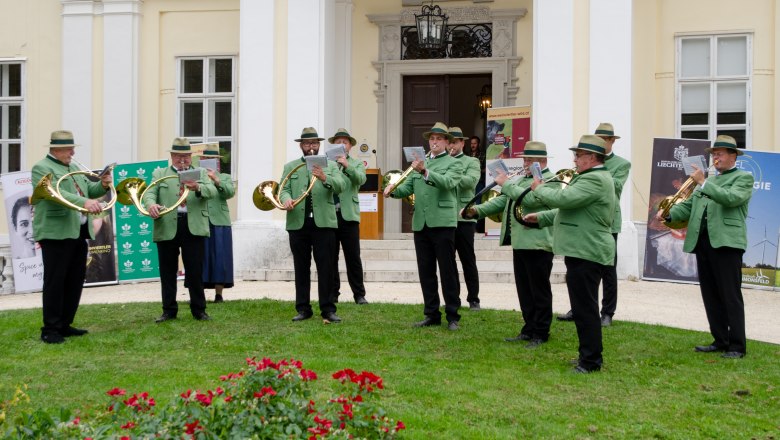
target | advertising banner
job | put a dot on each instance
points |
(137, 253)
(664, 257)
(25, 252)
(101, 254)
(508, 130)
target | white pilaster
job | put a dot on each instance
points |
(77, 23)
(610, 101)
(121, 39)
(553, 78)
(307, 69)
(338, 65)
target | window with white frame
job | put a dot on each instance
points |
(11, 106)
(713, 86)
(206, 95)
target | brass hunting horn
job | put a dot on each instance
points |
(682, 194)
(266, 194)
(45, 190)
(563, 176)
(131, 192)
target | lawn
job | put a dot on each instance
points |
(468, 384)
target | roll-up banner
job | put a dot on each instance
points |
(136, 250)
(25, 252)
(664, 257)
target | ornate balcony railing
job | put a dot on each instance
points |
(463, 41)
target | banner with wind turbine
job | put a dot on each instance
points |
(760, 261)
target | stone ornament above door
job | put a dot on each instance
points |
(502, 21)
(420, 2)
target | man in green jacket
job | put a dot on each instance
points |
(464, 232)
(619, 168)
(583, 221)
(185, 229)
(434, 220)
(311, 225)
(62, 233)
(531, 247)
(348, 215)
(717, 234)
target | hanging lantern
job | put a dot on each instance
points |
(484, 100)
(431, 27)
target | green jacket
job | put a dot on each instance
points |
(219, 213)
(323, 206)
(583, 220)
(468, 181)
(166, 193)
(725, 199)
(435, 199)
(618, 168)
(52, 220)
(522, 237)
(355, 176)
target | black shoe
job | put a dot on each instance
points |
(331, 317)
(733, 355)
(708, 348)
(302, 316)
(164, 317)
(361, 300)
(218, 299)
(579, 369)
(453, 326)
(568, 316)
(202, 316)
(428, 322)
(518, 338)
(535, 343)
(474, 306)
(52, 338)
(73, 331)
(606, 321)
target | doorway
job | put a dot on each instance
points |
(427, 99)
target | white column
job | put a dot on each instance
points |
(121, 36)
(306, 69)
(77, 19)
(553, 78)
(610, 101)
(338, 67)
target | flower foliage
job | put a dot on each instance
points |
(264, 400)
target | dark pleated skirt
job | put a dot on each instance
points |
(218, 263)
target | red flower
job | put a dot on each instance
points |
(186, 394)
(308, 375)
(190, 428)
(128, 425)
(399, 426)
(76, 421)
(124, 437)
(116, 392)
(204, 399)
(311, 407)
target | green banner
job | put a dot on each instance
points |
(136, 249)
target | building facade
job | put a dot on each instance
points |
(127, 76)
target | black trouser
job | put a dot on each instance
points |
(321, 242)
(720, 281)
(348, 238)
(610, 286)
(464, 245)
(192, 251)
(582, 281)
(432, 246)
(64, 267)
(532, 280)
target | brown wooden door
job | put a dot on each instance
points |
(425, 102)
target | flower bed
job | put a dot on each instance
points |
(264, 400)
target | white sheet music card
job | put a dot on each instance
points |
(414, 153)
(189, 175)
(699, 161)
(333, 152)
(319, 161)
(496, 167)
(209, 164)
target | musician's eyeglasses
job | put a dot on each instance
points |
(309, 143)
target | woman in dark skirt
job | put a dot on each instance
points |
(218, 263)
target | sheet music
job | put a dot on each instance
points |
(312, 161)
(414, 153)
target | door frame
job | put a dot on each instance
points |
(389, 93)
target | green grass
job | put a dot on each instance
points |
(443, 385)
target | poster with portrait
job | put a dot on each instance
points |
(26, 257)
(101, 252)
(664, 257)
(508, 129)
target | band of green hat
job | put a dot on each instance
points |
(180, 147)
(534, 153)
(309, 135)
(61, 141)
(457, 134)
(341, 134)
(605, 132)
(724, 144)
(595, 148)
